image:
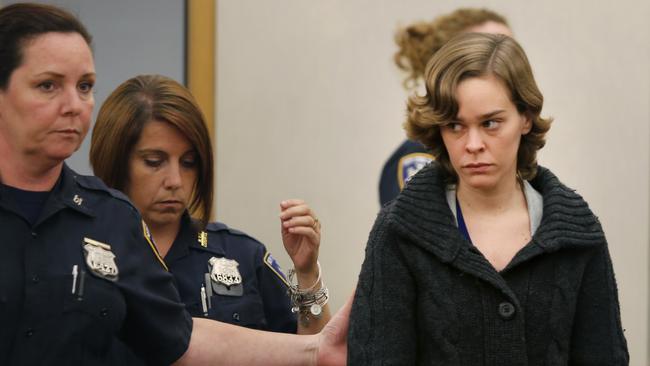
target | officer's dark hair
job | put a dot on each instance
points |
(21, 23)
(122, 118)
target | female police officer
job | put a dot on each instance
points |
(76, 270)
(150, 141)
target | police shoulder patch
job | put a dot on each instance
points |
(149, 238)
(409, 165)
(275, 267)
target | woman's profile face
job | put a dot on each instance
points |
(46, 107)
(484, 139)
(162, 173)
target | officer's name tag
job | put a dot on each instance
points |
(100, 259)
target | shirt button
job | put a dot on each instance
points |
(35, 279)
(506, 310)
(235, 316)
(29, 332)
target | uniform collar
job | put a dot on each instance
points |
(66, 193)
(71, 194)
(188, 240)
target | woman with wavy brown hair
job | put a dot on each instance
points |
(416, 44)
(485, 258)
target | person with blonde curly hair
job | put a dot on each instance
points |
(416, 43)
(485, 257)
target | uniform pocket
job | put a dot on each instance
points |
(98, 310)
(246, 311)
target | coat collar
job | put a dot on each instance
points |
(421, 214)
(567, 221)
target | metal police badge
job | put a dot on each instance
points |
(226, 279)
(100, 259)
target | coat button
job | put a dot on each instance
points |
(103, 313)
(34, 234)
(235, 316)
(506, 310)
(29, 332)
(35, 279)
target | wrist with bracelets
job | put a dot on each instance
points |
(308, 303)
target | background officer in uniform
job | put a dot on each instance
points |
(77, 272)
(417, 43)
(150, 141)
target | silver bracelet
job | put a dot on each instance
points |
(292, 273)
(307, 302)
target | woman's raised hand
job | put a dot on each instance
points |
(300, 230)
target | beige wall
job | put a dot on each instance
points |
(309, 105)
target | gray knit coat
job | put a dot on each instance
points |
(426, 296)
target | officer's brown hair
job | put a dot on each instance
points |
(475, 55)
(417, 42)
(120, 122)
(21, 23)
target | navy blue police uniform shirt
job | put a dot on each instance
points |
(82, 278)
(225, 275)
(408, 159)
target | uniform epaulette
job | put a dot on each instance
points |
(218, 226)
(92, 183)
(95, 184)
